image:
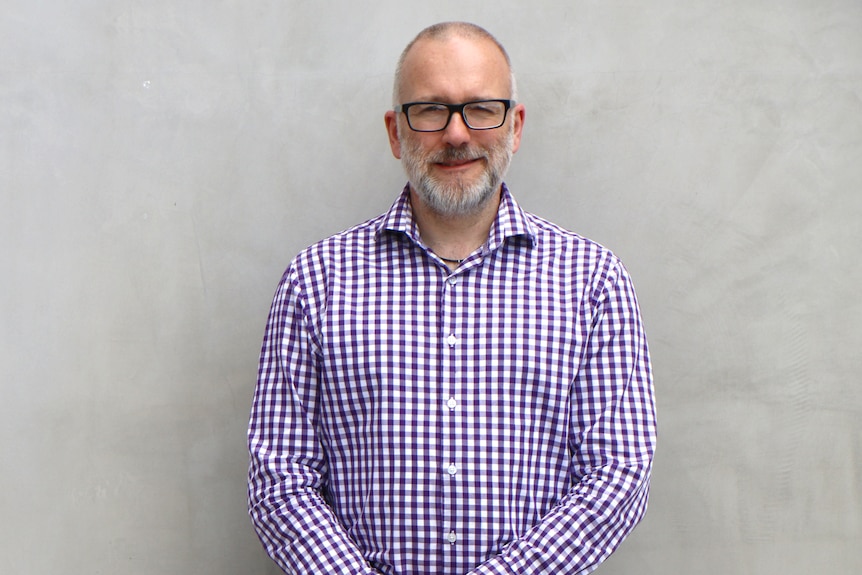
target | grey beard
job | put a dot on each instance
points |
(458, 198)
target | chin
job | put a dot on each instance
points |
(461, 202)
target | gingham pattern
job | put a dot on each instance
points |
(410, 420)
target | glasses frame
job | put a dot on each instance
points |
(457, 109)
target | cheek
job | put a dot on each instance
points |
(491, 140)
(415, 149)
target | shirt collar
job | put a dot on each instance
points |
(511, 220)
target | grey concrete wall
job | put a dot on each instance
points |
(161, 162)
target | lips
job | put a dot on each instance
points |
(457, 163)
(453, 159)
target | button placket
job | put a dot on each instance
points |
(451, 297)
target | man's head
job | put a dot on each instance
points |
(457, 169)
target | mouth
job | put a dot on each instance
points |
(457, 164)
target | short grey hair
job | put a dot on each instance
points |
(443, 31)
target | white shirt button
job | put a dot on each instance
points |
(452, 340)
(452, 470)
(452, 281)
(451, 538)
(452, 403)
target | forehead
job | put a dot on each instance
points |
(455, 69)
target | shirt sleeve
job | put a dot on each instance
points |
(612, 453)
(288, 469)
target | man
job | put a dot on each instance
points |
(456, 386)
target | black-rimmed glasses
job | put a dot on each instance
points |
(435, 116)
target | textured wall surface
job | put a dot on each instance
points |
(161, 162)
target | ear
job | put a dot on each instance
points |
(519, 113)
(391, 120)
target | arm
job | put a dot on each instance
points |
(614, 414)
(288, 467)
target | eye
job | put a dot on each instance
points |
(485, 108)
(428, 109)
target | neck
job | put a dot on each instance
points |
(454, 237)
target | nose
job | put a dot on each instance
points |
(456, 133)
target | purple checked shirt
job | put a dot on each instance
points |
(412, 420)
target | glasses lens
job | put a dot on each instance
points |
(428, 117)
(485, 114)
